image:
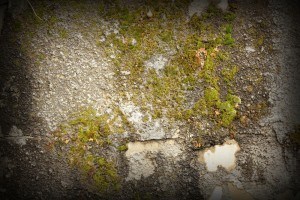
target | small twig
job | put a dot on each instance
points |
(34, 10)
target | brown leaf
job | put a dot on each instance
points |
(201, 55)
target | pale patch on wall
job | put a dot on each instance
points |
(141, 156)
(220, 155)
(152, 129)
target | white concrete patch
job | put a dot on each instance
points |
(16, 136)
(216, 194)
(133, 113)
(249, 49)
(133, 42)
(157, 62)
(152, 131)
(220, 155)
(141, 156)
(149, 130)
(15, 132)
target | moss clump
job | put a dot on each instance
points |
(122, 148)
(196, 23)
(229, 74)
(228, 40)
(228, 113)
(229, 16)
(81, 136)
(101, 172)
(212, 104)
(228, 109)
(107, 176)
(89, 126)
(211, 96)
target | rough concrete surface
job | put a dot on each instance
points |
(48, 74)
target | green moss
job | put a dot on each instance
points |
(126, 124)
(166, 36)
(90, 125)
(102, 172)
(88, 129)
(122, 148)
(229, 16)
(187, 114)
(229, 74)
(196, 23)
(211, 96)
(222, 56)
(228, 113)
(228, 109)
(164, 93)
(228, 28)
(212, 102)
(233, 99)
(157, 114)
(145, 118)
(200, 107)
(228, 40)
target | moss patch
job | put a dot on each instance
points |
(86, 137)
(164, 93)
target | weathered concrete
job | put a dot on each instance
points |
(141, 156)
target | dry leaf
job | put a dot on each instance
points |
(196, 144)
(201, 55)
(217, 112)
